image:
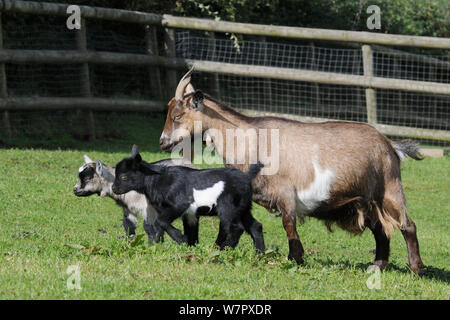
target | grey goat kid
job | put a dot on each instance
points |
(98, 178)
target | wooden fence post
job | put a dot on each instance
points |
(151, 46)
(3, 88)
(371, 97)
(85, 83)
(171, 74)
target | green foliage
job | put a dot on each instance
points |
(426, 17)
(409, 17)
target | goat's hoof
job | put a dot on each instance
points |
(260, 251)
(417, 269)
(156, 239)
(299, 260)
(382, 264)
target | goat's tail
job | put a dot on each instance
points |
(406, 148)
(255, 169)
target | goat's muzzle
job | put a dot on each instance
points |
(166, 147)
(165, 143)
(116, 189)
(82, 193)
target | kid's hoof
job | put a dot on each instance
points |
(299, 260)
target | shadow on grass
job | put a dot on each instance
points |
(428, 272)
(439, 274)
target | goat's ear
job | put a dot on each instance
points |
(134, 151)
(87, 159)
(99, 168)
(197, 101)
(136, 158)
(152, 169)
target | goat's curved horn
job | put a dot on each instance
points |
(189, 89)
(183, 84)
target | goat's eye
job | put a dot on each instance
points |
(123, 178)
(178, 116)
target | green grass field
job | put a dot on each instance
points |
(44, 229)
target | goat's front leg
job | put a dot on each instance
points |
(153, 230)
(222, 236)
(295, 246)
(190, 224)
(129, 223)
(164, 220)
(288, 215)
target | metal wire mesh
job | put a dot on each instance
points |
(45, 80)
(49, 33)
(265, 53)
(409, 66)
(110, 36)
(285, 97)
(63, 80)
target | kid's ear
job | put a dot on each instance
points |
(135, 156)
(136, 161)
(134, 151)
(99, 168)
(197, 100)
(87, 159)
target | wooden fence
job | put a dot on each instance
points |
(169, 62)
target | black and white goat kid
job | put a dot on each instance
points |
(98, 178)
(182, 192)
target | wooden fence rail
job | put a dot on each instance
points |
(67, 103)
(98, 57)
(60, 9)
(170, 63)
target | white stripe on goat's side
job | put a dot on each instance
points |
(206, 197)
(319, 190)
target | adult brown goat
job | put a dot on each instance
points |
(340, 172)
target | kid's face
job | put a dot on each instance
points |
(88, 182)
(127, 176)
